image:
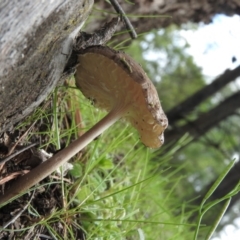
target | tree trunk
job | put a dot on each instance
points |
(177, 113)
(36, 41)
(207, 120)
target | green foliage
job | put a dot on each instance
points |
(120, 194)
(206, 207)
(118, 191)
(115, 190)
(163, 55)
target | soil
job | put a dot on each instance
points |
(30, 210)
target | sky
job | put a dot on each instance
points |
(213, 46)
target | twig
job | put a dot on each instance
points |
(128, 24)
(20, 139)
(19, 214)
(12, 176)
(2, 161)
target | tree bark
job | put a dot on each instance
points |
(177, 113)
(166, 12)
(36, 41)
(207, 120)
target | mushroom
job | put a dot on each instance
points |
(113, 81)
(116, 83)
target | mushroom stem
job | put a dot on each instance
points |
(49, 166)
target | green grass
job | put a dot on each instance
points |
(115, 190)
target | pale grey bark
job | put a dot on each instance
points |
(35, 43)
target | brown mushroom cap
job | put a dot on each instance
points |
(112, 79)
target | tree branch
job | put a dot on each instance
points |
(207, 120)
(190, 103)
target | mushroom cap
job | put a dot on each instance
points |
(112, 79)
